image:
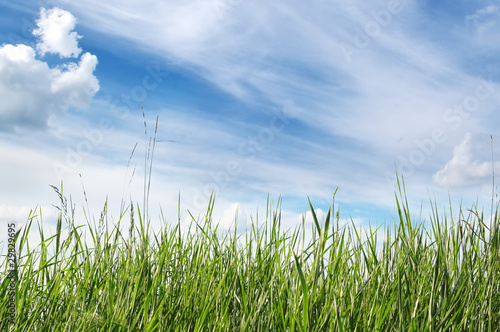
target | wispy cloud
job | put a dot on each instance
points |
(394, 90)
(290, 54)
(360, 86)
(485, 22)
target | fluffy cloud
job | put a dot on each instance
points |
(31, 91)
(462, 169)
(76, 85)
(55, 32)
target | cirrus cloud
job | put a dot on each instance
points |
(485, 24)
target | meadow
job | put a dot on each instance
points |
(440, 274)
(443, 277)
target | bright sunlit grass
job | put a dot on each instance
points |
(445, 278)
(128, 277)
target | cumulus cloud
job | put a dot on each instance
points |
(31, 91)
(462, 169)
(55, 32)
(77, 84)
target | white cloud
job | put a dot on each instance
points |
(462, 169)
(77, 83)
(55, 32)
(32, 92)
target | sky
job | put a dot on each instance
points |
(289, 99)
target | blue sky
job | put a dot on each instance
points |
(285, 98)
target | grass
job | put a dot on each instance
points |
(127, 277)
(442, 278)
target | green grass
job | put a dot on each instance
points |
(125, 276)
(444, 277)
